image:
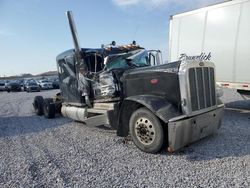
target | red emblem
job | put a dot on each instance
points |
(154, 81)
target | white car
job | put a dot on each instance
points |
(45, 84)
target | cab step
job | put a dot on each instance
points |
(97, 120)
(104, 106)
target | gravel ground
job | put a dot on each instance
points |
(39, 152)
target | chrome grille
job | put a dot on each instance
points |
(202, 87)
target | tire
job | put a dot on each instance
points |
(38, 105)
(58, 107)
(49, 108)
(146, 130)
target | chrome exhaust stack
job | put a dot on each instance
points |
(74, 34)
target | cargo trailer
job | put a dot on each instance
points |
(219, 33)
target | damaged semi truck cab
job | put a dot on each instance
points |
(170, 105)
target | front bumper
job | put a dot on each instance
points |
(182, 132)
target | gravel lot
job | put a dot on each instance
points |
(37, 152)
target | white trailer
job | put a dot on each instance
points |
(220, 33)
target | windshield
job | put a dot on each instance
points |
(137, 58)
(117, 61)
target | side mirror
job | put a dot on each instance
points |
(155, 57)
(152, 59)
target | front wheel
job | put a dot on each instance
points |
(146, 130)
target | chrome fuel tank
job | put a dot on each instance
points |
(75, 113)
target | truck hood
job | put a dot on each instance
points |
(161, 80)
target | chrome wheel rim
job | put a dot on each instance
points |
(144, 131)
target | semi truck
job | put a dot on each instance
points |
(219, 33)
(158, 105)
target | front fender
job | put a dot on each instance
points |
(162, 108)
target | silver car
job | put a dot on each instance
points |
(32, 86)
(45, 84)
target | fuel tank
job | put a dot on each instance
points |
(75, 113)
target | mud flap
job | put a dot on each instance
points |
(184, 132)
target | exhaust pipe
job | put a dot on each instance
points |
(76, 42)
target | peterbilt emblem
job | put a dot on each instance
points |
(201, 64)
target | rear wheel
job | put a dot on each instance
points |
(49, 108)
(38, 105)
(146, 131)
(58, 107)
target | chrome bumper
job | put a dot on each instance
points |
(182, 132)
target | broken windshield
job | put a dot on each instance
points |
(137, 58)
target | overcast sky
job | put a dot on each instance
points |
(34, 32)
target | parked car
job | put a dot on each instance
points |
(32, 86)
(25, 82)
(55, 83)
(21, 82)
(13, 86)
(45, 84)
(6, 83)
(2, 86)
